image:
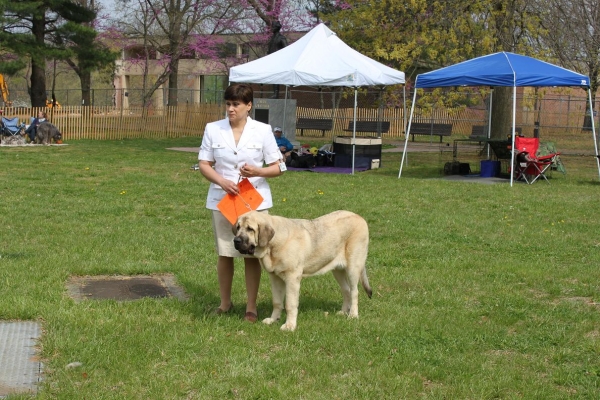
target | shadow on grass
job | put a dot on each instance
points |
(14, 256)
(204, 300)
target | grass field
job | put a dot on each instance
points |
(480, 291)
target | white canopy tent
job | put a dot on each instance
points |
(319, 58)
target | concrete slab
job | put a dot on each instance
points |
(476, 179)
(124, 288)
(186, 149)
(20, 367)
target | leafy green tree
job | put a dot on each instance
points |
(31, 32)
(322, 8)
(422, 35)
(86, 53)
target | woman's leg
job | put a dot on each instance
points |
(31, 133)
(253, 271)
(225, 277)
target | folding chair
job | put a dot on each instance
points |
(11, 127)
(529, 166)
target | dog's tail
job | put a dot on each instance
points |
(364, 280)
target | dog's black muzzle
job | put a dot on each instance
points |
(238, 243)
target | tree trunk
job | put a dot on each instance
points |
(86, 88)
(38, 85)
(502, 112)
(172, 98)
(38, 66)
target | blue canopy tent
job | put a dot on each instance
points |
(502, 69)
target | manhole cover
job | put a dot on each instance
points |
(20, 368)
(124, 288)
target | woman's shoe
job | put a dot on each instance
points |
(220, 311)
(250, 317)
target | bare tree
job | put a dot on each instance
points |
(516, 25)
(176, 29)
(572, 36)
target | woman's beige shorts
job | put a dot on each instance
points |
(224, 235)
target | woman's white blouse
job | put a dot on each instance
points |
(256, 147)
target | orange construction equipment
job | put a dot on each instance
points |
(4, 91)
(49, 104)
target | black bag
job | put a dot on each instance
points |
(324, 158)
(451, 168)
(457, 168)
(303, 161)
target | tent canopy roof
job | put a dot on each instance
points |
(502, 69)
(319, 58)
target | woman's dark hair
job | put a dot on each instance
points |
(239, 92)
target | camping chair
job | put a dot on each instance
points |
(529, 166)
(549, 148)
(11, 127)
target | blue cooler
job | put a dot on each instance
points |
(489, 168)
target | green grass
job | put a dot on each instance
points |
(479, 291)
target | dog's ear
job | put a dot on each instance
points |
(265, 234)
(234, 227)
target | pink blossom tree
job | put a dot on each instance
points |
(180, 29)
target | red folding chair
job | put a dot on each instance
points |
(528, 166)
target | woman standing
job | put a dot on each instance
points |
(234, 148)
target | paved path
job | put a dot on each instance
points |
(421, 147)
(413, 147)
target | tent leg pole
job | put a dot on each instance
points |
(594, 131)
(404, 106)
(412, 109)
(514, 122)
(354, 127)
(285, 111)
(489, 132)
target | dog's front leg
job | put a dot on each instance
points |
(292, 294)
(278, 293)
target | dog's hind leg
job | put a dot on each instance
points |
(340, 277)
(353, 272)
(278, 293)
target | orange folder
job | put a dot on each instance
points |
(233, 206)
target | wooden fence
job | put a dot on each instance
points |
(461, 119)
(111, 123)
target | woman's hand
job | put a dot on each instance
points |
(230, 187)
(248, 171)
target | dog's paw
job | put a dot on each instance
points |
(288, 327)
(352, 315)
(268, 321)
(342, 312)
